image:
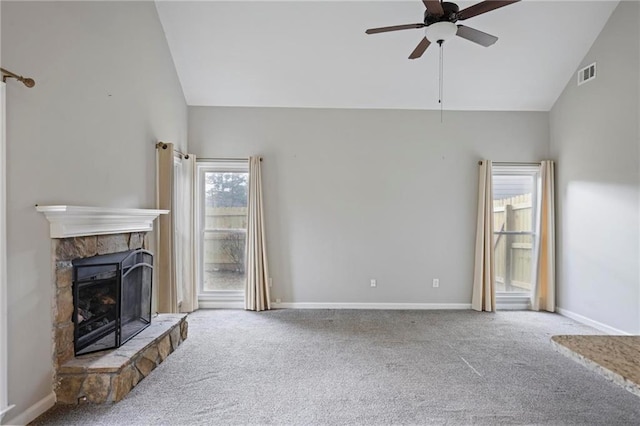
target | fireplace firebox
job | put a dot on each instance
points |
(111, 298)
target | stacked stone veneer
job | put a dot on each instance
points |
(97, 377)
(65, 250)
(109, 375)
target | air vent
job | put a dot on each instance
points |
(587, 73)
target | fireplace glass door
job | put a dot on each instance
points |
(96, 313)
(136, 294)
(112, 299)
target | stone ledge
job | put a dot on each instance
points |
(109, 375)
(614, 357)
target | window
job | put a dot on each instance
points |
(515, 202)
(222, 206)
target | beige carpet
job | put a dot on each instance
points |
(344, 367)
(615, 357)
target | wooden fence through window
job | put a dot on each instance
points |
(513, 253)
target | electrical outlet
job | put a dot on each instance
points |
(374, 283)
(278, 300)
(270, 282)
(436, 282)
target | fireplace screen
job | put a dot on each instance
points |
(112, 299)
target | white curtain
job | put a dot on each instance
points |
(176, 234)
(484, 292)
(187, 229)
(543, 295)
(257, 289)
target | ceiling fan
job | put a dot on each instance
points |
(440, 24)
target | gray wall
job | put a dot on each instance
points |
(358, 194)
(595, 140)
(84, 135)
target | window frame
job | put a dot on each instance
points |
(203, 167)
(522, 299)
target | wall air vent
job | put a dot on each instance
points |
(587, 73)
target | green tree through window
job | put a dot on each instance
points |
(227, 189)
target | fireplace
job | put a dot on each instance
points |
(111, 299)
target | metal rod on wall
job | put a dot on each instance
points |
(163, 145)
(223, 159)
(29, 82)
(511, 163)
(515, 163)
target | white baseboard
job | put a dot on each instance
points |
(591, 323)
(389, 306)
(33, 412)
(4, 411)
(209, 304)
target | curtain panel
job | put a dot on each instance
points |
(165, 264)
(543, 295)
(257, 288)
(484, 292)
(187, 229)
(176, 251)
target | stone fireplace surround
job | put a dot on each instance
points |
(109, 375)
(64, 251)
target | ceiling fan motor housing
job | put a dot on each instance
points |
(440, 24)
(450, 14)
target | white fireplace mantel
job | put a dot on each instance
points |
(79, 221)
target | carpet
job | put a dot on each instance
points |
(367, 367)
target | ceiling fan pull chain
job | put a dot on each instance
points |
(441, 78)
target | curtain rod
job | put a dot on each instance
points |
(164, 145)
(514, 163)
(222, 159)
(29, 82)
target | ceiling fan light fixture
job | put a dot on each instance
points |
(440, 31)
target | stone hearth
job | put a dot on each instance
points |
(109, 375)
(614, 357)
(105, 376)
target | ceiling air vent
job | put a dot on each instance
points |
(587, 73)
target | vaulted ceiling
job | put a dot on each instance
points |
(316, 54)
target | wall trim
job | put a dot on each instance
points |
(35, 411)
(591, 323)
(381, 306)
(5, 411)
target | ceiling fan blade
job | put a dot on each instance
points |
(394, 28)
(434, 7)
(483, 7)
(476, 36)
(420, 48)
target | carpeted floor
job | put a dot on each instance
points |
(368, 367)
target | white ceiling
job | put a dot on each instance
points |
(316, 54)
